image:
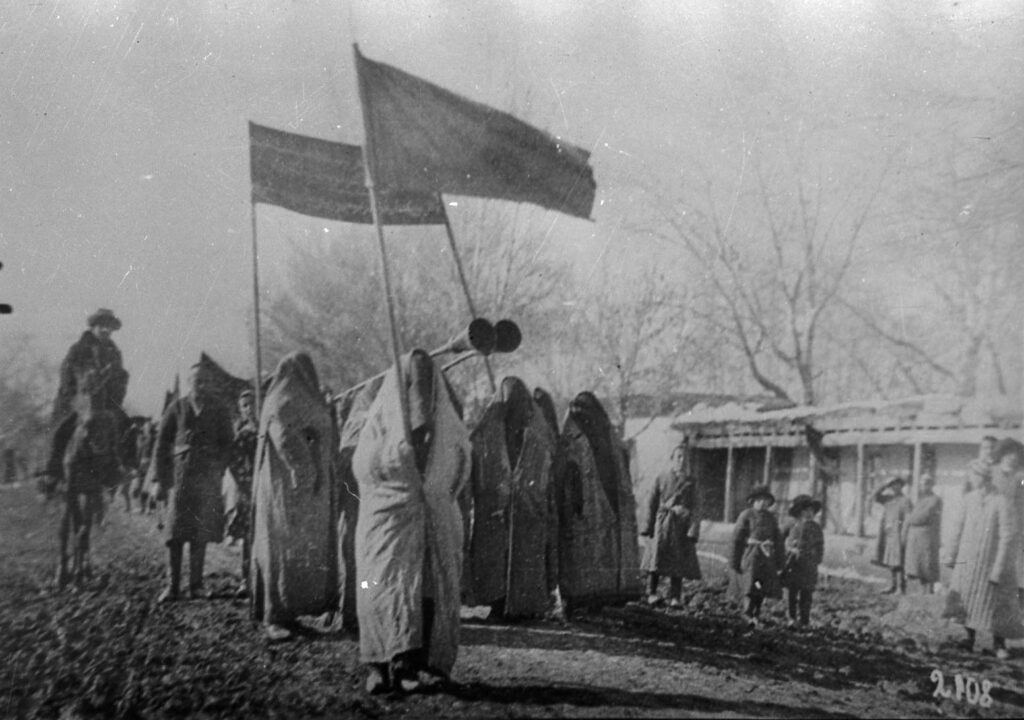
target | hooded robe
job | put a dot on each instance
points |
(293, 548)
(512, 450)
(352, 410)
(598, 550)
(408, 541)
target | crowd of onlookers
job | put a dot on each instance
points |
(983, 552)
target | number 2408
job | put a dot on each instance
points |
(964, 688)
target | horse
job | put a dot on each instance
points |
(91, 465)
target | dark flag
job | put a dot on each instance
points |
(426, 139)
(325, 179)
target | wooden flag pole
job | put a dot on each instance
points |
(462, 280)
(368, 165)
(257, 401)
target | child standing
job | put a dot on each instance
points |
(757, 552)
(805, 546)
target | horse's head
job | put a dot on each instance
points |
(98, 433)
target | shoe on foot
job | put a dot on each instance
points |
(198, 592)
(242, 591)
(278, 633)
(675, 603)
(1002, 653)
(168, 595)
(653, 599)
(375, 682)
(890, 591)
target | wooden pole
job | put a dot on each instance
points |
(915, 477)
(462, 281)
(257, 400)
(767, 465)
(368, 165)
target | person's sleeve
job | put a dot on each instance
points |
(650, 509)
(740, 534)
(163, 453)
(956, 532)
(1007, 543)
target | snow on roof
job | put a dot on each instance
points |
(921, 411)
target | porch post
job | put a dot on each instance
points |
(728, 515)
(767, 464)
(916, 472)
(860, 489)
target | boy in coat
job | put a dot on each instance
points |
(757, 552)
(805, 547)
(889, 552)
(673, 528)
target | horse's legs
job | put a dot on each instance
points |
(84, 533)
(65, 522)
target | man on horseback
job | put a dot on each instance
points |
(86, 450)
(92, 368)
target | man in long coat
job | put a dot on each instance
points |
(889, 548)
(193, 448)
(94, 356)
(294, 568)
(983, 554)
(513, 450)
(408, 541)
(673, 526)
(922, 535)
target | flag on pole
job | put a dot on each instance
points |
(326, 179)
(423, 138)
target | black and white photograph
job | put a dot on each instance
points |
(511, 358)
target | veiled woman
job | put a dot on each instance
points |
(513, 447)
(408, 540)
(293, 555)
(598, 550)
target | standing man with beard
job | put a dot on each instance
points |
(193, 448)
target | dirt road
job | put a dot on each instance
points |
(108, 650)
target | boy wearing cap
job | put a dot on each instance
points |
(757, 553)
(805, 547)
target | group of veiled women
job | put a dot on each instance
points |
(392, 514)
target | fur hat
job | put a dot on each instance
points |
(1008, 446)
(761, 491)
(104, 316)
(801, 503)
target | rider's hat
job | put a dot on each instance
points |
(104, 316)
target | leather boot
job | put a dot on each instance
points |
(196, 560)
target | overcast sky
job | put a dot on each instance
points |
(124, 170)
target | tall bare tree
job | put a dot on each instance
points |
(775, 249)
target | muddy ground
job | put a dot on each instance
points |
(108, 650)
